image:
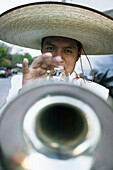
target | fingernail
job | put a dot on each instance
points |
(48, 54)
(25, 60)
(58, 59)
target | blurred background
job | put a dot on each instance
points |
(11, 56)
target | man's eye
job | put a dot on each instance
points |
(49, 48)
(68, 51)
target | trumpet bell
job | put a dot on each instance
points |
(56, 126)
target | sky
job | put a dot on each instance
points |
(101, 5)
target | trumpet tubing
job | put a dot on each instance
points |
(60, 126)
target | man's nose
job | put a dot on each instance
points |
(59, 52)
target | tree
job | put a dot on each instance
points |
(3, 57)
(10, 60)
(18, 58)
(6, 47)
(6, 63)
(29, 57)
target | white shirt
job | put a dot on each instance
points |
(16, 85)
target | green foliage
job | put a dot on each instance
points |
(3, 52)
(5, 63)
(18, 58)
(7, 48)
(3, 57)
(10, 60)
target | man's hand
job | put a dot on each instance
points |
(39, 67)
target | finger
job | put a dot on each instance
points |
(46, 61)
(50, 63)
(36, 73)
(40, 72)
(25, 67)
(47, 66)
(39, 60)
(52, 72)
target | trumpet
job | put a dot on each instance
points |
(56, 126)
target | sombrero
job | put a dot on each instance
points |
(26, 26)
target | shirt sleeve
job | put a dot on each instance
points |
(95, 88)
(16, 85)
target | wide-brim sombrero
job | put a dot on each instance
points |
(26, 25)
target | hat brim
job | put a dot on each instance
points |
(27, 25)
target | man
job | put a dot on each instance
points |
(56, 51)
(61, 31)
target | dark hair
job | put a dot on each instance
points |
(79, 45)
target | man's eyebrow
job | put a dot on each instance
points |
(48, 43)
(71, 47)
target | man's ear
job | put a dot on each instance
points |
(79, 54)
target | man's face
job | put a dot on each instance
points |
(66, 48)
